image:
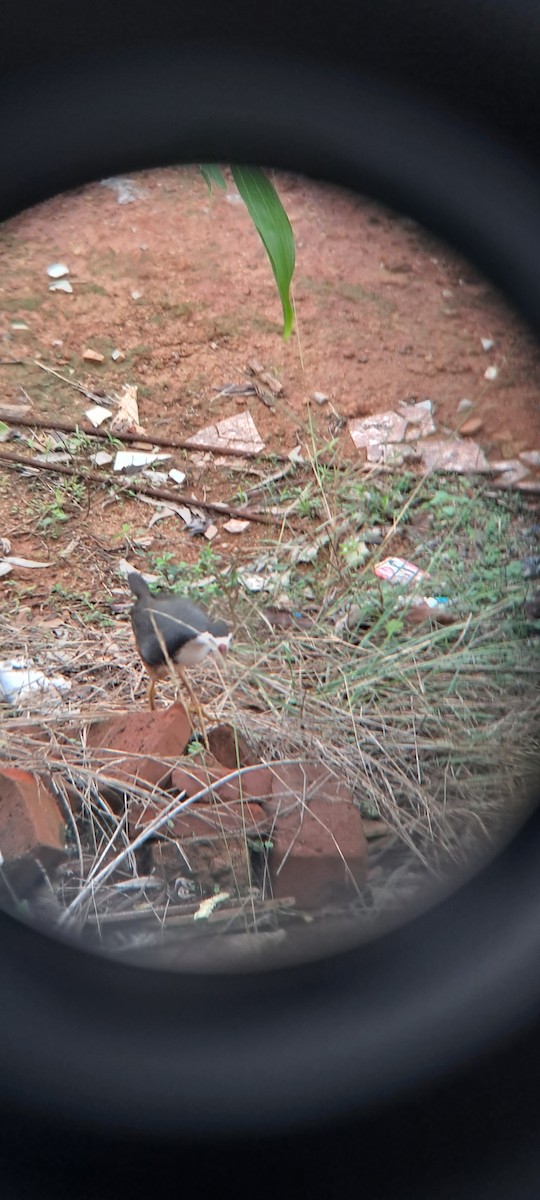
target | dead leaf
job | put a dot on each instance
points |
(25, 562)
(126, 420)
(256, 368)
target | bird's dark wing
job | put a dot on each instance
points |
(154, 629)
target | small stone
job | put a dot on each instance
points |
(487, 344)
(178, 476)
(531, 458)
(101, 459)
(470, 427)
(136, 295)
(211, 533)
(234, 526)
(320, 397)
(93, 356)
(118, 356)
(464, 405)
(491, 373)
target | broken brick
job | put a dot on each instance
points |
(31, 824)
(319, 849)
(191, 778)
(209, 843)
(230, 747)
(139, 747)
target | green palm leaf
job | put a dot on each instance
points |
(274, 228)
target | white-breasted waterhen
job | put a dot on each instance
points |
(171, 634)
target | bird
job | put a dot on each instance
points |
(171, 633)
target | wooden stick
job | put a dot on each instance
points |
(165, 494)
(154, 439)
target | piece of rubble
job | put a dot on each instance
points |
(93, 356)
(377, 429)
(138, 747)
(30, 820)
(419, 418)
(178, 477)
(319, 849)
(134, 460)
(235, 526)
(464, 457)
(97, 415)
(491, 373)
(510, 477)
(531, 458)
(101, 458)
(118, 356)
(127, 190)
(238, 433)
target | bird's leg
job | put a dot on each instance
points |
(195, 703)
(151, 694)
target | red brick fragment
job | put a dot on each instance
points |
(319, 850)
(31, 823)
(230, 747)
(191, 776)
(144, 745)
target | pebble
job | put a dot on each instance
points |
(464, 405)
(470, 427)
(320, 397)
(118, 356)
(93, 356)
(487, 344)
(491, 373)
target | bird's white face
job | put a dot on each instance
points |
(195, 650)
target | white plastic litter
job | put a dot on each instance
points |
(62, 285)
(97, 415)
(57, 270)
(20, 681)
